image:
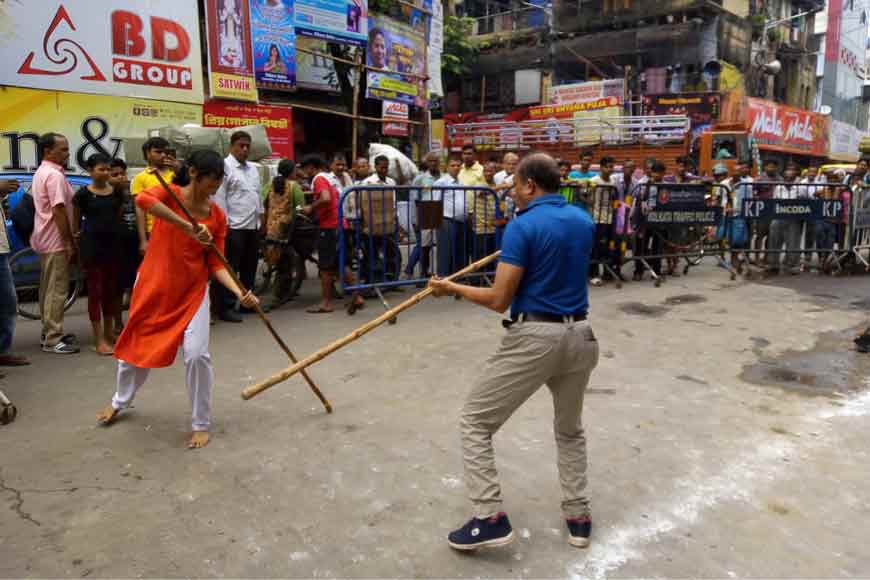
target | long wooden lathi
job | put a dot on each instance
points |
(223, 260)
(255, 390)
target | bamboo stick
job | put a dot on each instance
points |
(255, 390)
(223, 260)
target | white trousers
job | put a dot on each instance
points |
(198, 370)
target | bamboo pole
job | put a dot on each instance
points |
(223, 260)
(348, 115)
(356, 90)
(255, 390)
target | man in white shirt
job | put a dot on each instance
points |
(788, 231)
(377, 212)
(504, 183)
(239, 196)
(451, 237)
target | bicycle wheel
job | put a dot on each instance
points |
(263, 278)
(25, 276)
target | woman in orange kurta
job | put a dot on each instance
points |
(170, 304)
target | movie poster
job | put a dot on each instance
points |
(274, 44)
(230, 62)
(397, 47)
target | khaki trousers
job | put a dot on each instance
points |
(53, 289)
(561, 356)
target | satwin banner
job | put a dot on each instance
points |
(334, 20)
(589, 91)
(230, 62)
(786, 129)
(277, 120)
(394, 46)
(701, 108)
(393, 110)
(140, 48)
(274, 43)
(92, 124)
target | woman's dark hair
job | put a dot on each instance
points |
(376, 32)
(286, 169)
(98, 159)
(154, 143)
(206, 163)
(542, 169)
(314, 160)
(274, 47)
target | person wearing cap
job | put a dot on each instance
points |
(722, 179)
(541, 275)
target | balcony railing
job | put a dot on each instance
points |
(511, 21)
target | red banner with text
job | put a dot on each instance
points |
(277, 120)
(786, 129)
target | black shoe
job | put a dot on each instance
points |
(230, 316)
(579, 530)
(477, 533)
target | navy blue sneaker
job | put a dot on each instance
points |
(485, 533)
(579, 530)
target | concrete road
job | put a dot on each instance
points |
(727, 427)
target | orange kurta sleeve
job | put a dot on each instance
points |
(219, 236)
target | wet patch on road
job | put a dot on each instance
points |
(684, 299)
(831, 366)
(641, 309)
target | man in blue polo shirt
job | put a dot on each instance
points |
(542, 276)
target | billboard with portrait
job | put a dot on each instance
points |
(334, 20)
(274, 43)
(395, 47)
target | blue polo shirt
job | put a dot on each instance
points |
(551, 240)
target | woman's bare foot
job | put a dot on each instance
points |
(105, 349)
(198, 440)
(107, 416)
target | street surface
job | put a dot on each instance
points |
(727, 429)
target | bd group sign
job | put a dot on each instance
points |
(131, 48)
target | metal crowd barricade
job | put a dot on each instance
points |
(604, 204)
(676, 221)
(859, 223)
(440, 229)
(780, 214)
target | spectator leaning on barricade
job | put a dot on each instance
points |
(761, 229)
(155, 152)
(53, 240)
(422, 252)
(326, 191)
(858, 181)
(380, 226)
(8, 297)
(676, 236)
(626, 186)
(786, 232)
(504, 185)
(284, 197)
(814, 179)
(129, 240)
(451, 236)
(471, 173)
(602, 192)
(635, 217)
(649, 239)
(97, 227)
(567, 185)
(827, 230)
(481, 206)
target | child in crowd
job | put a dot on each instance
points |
(96, 223)
(129, 235)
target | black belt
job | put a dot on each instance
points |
(544, 317)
